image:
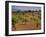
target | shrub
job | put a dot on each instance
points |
(14, 19)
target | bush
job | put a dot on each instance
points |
(14, 19)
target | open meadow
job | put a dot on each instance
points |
(26, 20)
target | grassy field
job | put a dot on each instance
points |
(26, 21)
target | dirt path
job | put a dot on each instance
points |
(26, 26)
